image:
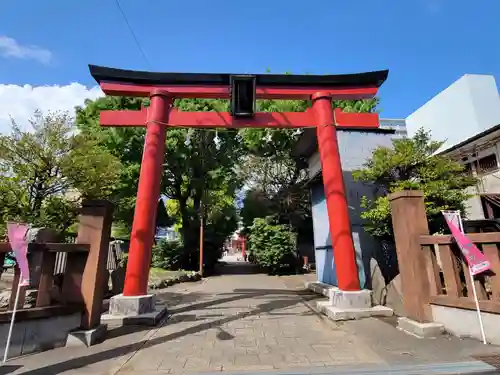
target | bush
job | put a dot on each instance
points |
(167, 255)
(272, 245)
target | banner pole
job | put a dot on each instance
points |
(479, 317)
(11, 327)
(476, 300)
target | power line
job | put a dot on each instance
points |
(133, 34)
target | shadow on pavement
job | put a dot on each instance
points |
(236, 268)
(277, 304)
(119, 331)
(7, 369)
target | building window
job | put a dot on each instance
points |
(487, 164)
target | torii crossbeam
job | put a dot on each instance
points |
(243, 90)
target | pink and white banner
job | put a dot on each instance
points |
(475, 258)
(17, 234)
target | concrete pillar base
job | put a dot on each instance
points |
(420, 329)
(347, 305)
(359, 299)
(339, 314)
(318, 287)
(136, 310)
(87, 337)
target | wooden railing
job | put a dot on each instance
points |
(432, 268)
(46, 265)
(449, 280)
(81, 287)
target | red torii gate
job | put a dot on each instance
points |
(243, 90)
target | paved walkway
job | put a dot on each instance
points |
(245, 322)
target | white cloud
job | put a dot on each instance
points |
(10, 47)
(20, 102)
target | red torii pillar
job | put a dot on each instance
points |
(160, 115)
(243, 247)
(335, 195)
(148, 193)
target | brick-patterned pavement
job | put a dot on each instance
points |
(249, 322)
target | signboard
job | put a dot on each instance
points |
(18, 242)
(475, 258)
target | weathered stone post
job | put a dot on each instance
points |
(94, 229)
(409, 221)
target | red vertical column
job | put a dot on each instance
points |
(336, 200)
(243, 246)
(148, 193)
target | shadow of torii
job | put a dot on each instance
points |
(289, 299)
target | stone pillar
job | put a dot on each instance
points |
(409, 221)
(86, 272)
(95, 229)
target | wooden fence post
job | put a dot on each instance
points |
(409, 221)
(42, 268)
(94, 229)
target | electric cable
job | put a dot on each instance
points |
(133, 34)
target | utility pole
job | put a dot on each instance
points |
(202, 208)
(201, 239)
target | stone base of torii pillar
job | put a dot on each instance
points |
(135, 310)
(346, 305)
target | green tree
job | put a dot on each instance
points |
(47, 169)
(412, 164)
(198, 166)
(123, 143)
(255, 204)
(273, 174)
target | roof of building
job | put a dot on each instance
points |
(307, 144)
(488, 135)
(369, 79)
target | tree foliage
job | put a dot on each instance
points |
(196, 170)
(272, 245)
(274, 176)
(48, 168)
(168, 255)
(124, 143)
(412, 164)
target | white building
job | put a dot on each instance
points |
(466, 108)
(481, 155)
(398, 125)
(467, 115)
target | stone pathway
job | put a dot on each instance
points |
(244, 322)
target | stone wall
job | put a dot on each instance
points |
(465, 323)
(38, 334)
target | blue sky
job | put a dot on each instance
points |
(426, 44)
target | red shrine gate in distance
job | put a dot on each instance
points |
(243, 91)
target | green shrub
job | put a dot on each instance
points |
(272, 245)
(412, 164)
(167, 255)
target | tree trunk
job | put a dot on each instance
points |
(184, 220)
